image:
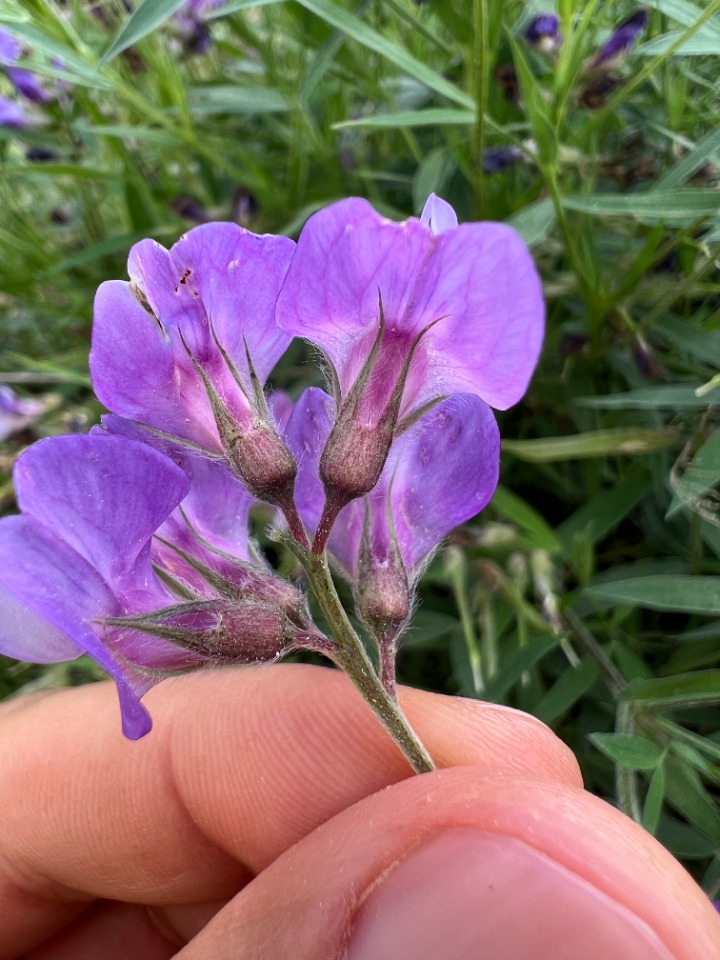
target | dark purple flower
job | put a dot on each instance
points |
(17, 412)
(11, 113)
(496, 159)
(622, 39)
(543, 32)
(186, 345)
(190, 20)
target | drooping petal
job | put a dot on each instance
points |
(438, 215)
(51, 600)
(442, 472)
(28, 84)
(104, 496)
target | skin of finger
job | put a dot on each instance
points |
(240, 766)
(113, 931)
(302, 907)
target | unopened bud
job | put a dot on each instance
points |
(261, 460)
(353, 459)
(384, 597)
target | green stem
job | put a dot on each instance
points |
(480, 84)
(350, 655)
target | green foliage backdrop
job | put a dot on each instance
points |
(588, 592)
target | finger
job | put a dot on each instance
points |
(114, 931)
(461, 865)
(240, 765)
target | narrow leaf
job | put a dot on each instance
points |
(147, 16)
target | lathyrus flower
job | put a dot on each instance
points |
(543, 33)
(16, 412)
(405, 314)
(441, 472)
(622, 39)
(186, 346)
(120, 554)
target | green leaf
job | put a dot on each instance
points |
(703, 151)
(603, 512)
(516, 664)
(625, 441)
(685, 791)
(684, 205)
(234, 5)
(683, 690)
(522, 515)
(652, 808)
(212, 100)
(40, 42)
(566, 691)
(700, 476)
(670, 397)
(436, 117)
(365, 35)
(147, 16)
(535, 221)
(682, 593)
(702, 44)
(631, 751)
(684, 12)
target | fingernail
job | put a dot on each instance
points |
(467, 895)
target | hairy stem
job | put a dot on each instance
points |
(351, 656)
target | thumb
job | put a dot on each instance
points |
(463, 866)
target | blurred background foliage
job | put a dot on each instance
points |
(587, 593)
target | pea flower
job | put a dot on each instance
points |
(543, 32)
(25, 81)
(405, 314)
(496, 159)
(622, 39)
(187, 345)
(11, 113)
(104, 560)
(438, 474)
(17, 412)
(191, 21)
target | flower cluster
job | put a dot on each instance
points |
(133, 541)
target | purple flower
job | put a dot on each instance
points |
(543, 32)
(11, 113)
(25, 81)
(16, 412)
(622, 39)
(407, 313)
(80, 552)
(496, 159)
(190, 20)
(186, 345)
(474, 285)
(143, 563)
(439, 473)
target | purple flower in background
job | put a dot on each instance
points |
(11, 113)
(407, 313)
(186, 346)
(25, 81)
(191, 21)
(496, 159)
(543, 32)
(17, 412)
(622, 39)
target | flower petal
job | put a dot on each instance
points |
(306, 434)
(104, 496)
(438, 214)
(442, 472)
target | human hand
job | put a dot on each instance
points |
(269, 816)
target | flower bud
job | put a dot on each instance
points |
(353, 459)
(384, 597)
(261, 459)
